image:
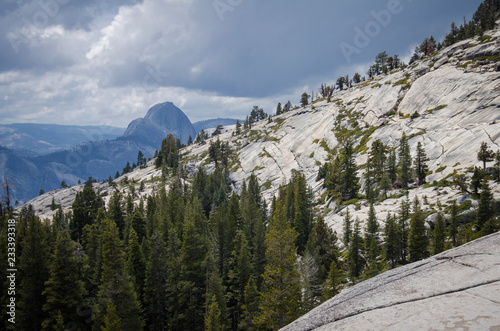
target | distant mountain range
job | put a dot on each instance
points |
(38, 157)
(207, 124)
(36, 139)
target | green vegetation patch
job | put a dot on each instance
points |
(406, 84)
(440, 169)
(494, 58)
(266, 186)
(430, 111)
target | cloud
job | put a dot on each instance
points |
(87, 62)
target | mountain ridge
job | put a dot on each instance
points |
(160, 120)
(99, 159)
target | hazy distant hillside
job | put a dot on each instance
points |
(29, 139)
(207, 124)
(98, 156)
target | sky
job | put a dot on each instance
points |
(106, 62)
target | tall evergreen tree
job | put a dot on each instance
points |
(404, 165)
(64, 290)
(485, 210)
(354, 253)
(85, 208)
(311, 275)
(417, 237)
(111, 320)
(347, 227)
(192, 282)
(135, 263)
(348, 176)
(326, 241)
(392, 169)
(239, 275)
(420, 163)
(213, 317)
(250, 307)
(115, 211)
(332, 284)
(392, 251)
(496, 168)
(372, 227)
(454, 223)
(403, 225)
(279, 110)
(155, 306)
(280, 299)
(115, 286)
(33, 268)
(438, 235)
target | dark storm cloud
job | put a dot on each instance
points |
(109, 59)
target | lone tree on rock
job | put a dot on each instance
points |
(304, 100)
(485, 154)
(420, 162)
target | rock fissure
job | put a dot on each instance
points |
(492, 141)
(362, 311)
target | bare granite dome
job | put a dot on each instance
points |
(456, 290)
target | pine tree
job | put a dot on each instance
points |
(348, 176)
(279, 110)
(85, 208)
(250, 307)
(311, 275)
(404, 165)
(372, 227)
(138, 223)
(280, 299)
(496, 167)
(238, 277)
(438, 235)
(212, 319)
(59, 324)
(485, 154)
(115, 286)
(64, 290)
(485, 210)
(417, 237)
(420, 163)
(392, 169)
(33, 268)
(404, 215)
(215, 290)
(192, 282)
(155, 306)
(453, 223)
(115, 211)
(111, 320)
(392, 251)
(304, 99)
(354, 257)
(136, 263)
(377, 158)
(302, 210)
(326, 241)
(347, 227)
(332, 284)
